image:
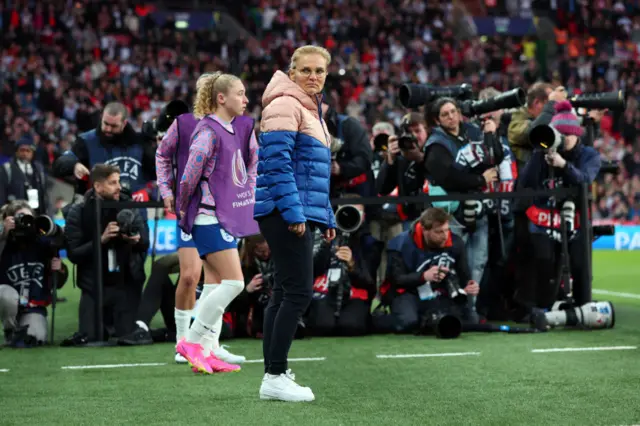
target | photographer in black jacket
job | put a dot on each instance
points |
(403, 167)
(569, 164)
(28, 263)
(122, 255)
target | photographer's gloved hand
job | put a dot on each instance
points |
(255, 284)
(132, 239)
(111, 231)
(393, 149)
(555, 160)
(472, 288)
(435, 274)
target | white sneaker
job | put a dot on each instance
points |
(227, 356)
(284, 388)
(180, 359)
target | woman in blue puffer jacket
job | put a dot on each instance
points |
(292, 200)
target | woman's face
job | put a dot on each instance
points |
(235, 100)
(310, 73)
(262, 251)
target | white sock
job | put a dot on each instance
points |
(203, 330)
(142, 325)
(207, 344)
(183, 318)
(206, 291)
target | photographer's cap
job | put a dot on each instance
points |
(565, 121)
(383, 127)
(26, 141)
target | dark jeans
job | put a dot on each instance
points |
(293, 260)
(353, 319)
(407, 311)
(536, 284)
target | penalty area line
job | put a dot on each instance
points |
(4, 370)
(433, 355)
(255, 361)
(596, 348)
(90, 367)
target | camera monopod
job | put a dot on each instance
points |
(54, 300)
(492, 159)
(563, 274)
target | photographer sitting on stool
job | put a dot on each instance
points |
(27, 265)
(125, 241)
(426, 263)
(565, 162)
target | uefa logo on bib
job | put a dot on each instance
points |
(238, 170)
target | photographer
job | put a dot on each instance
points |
(344, 277)
(258, 271)
(351, 166)
(403, 167)
(23, 177)
(114, 142)
(541, 100)
(27, 264)
(565, 164)
(125, 241)
(501, 220)
(424, 264)
(461, 159)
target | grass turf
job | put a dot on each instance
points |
(505, 384)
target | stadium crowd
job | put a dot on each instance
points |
(64, 62)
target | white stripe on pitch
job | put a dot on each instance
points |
(616, 294)
(597, 348)
(88, 367)
(4, 370)
(256, 361)
(428, 355)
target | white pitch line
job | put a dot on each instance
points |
(597, 348)
(617, 294)
(256, 361)
(4, 370)
(87, 367)
(428, 355)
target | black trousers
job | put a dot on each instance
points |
(536, 283)
(353, 320)
(120, 304)
(160, 292)
(292, 291)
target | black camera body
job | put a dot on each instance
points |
(126, 222)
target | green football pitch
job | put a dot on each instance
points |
(478, 379)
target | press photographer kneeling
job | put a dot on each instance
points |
(345, 273)
(29, 268)
(560, 160)
(125, 240)
(426, 268)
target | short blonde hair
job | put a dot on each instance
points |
(309, 50)
(488, 93)
(208, 87)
